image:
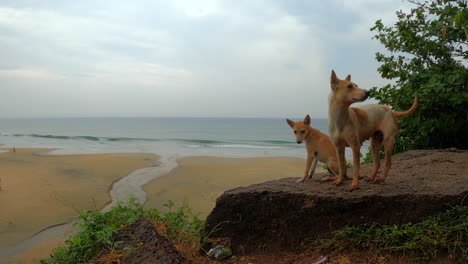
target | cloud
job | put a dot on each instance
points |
(30, 74)
(183, 57)
(199, 9)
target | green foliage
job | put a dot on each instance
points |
(368, 158)
(446, 232)
(96, 230)
(427, 57)
(180, 225)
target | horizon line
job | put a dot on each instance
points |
(163, 117)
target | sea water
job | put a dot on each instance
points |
(229, 137)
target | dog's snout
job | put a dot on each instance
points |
(299, 142)
(367, 93)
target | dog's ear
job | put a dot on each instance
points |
(348, 78)
(307, 120)
(290, 123)
(333, 80)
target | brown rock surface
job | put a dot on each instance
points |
(148, 246)
(284, 214)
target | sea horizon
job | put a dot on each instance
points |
(173, 136)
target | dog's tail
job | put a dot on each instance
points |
(409, 111)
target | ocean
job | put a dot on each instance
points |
(227, 137)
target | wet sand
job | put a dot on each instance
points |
(38, 191)
(199, 181)
(35, 254)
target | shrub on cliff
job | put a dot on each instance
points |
(427, 57)
(97, 230)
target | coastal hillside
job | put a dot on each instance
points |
(283, 214)
(418, 215)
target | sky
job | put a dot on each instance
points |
(184, 58)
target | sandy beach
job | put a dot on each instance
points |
(38, 191)
(199, 181)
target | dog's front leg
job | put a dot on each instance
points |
(314, 164)
(356, 163)
(340, 150)
(310, 157)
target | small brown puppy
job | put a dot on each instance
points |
(350, 126)
(319, 147)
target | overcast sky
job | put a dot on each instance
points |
(186, 58)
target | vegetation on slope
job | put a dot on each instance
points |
(96, 230)
(445, 233)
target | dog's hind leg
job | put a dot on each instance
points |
(329, 178)
(376, 144)
(388, 144)
(331, 166)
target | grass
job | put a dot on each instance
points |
(96, 230)
(444, 233)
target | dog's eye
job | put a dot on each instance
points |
(350, 86)
(295, 131)
(303, 131)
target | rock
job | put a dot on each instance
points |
(285, 214)
(220, 252)
(146, 246)
(321, 260)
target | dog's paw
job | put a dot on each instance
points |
(328, 178)
(337, 182)
(353, 187)
(369, 179)
(300, 180)
(380, 179)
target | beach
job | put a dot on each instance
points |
(199, 181)
(40, 190)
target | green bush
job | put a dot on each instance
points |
(96, 230)
(427, 57)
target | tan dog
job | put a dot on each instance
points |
(350, 126)
(319, 147)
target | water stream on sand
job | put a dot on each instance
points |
(121, 191)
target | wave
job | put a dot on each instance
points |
(130, 139)
(90, 138)
(57, 136)
(191, 143)
(249, 142)
(279, 142)
(200, 141)
(247, 146)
